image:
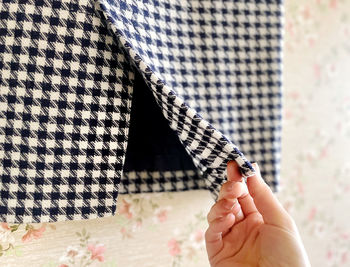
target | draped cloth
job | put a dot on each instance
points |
(100, 98)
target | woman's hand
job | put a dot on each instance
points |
(249, 227)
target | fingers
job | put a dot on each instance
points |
(240, 190)
(266, 202)
(231, 190)
(223, 215)
(226, 190)
(221, 208)
(233, 172)
(247, 202)
(213, 235)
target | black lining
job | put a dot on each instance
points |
(152, 144)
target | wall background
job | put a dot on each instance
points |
(166, 229)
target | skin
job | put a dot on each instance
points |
(249, 227)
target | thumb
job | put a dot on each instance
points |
(266, 202)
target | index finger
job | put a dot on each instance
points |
(267, 203)
(233, 172)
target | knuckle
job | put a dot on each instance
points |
(226, 186)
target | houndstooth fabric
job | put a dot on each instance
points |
(67, 80)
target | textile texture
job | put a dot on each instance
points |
(314, 185)
(69, 72)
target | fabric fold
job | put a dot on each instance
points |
(159, 37)
(69, 76)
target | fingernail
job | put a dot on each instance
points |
(256, 166)
(258, 173)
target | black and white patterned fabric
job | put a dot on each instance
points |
(107, 97)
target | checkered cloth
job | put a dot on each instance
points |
(69, 76)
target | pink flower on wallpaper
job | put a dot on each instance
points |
(124, 209)
(294, 95)
(199, 236)
(97, 252)
(331, 70)
(300, 187)
(324, 153)
(344, 257)
(63, 265)
(287, 114)
(125, 233)
(162, 215)
(174, 247)
(75, 254)
(5, 226)
(138, 224)
(345, 236)
(333, 4)
(312, 213)
(319, 229)
(72, 253)
(6, 236)
(290, 28)
(33, 234)
(329, 254)
(317, 71)
(310, 156)
(311, 41)
(306, 13)
(191, 252)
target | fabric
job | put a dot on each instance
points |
(69, 73)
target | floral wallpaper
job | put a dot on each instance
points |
(167, 229)
(316, 184)
(147, 225)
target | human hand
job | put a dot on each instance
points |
(249, 227)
